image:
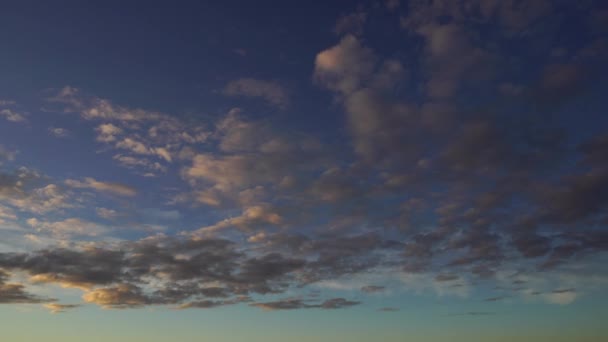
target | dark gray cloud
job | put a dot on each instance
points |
(292, 304)
(475, 313)
(495, 299)
(14, 293)
(373, 289)
(188, 272)
(446, 277)
(388, 309)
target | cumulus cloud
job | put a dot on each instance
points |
(344, 67)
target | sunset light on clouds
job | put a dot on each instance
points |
(422, 170)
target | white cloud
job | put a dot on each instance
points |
(138, 147)
(12, 116)
(108, 132)
(136, 162)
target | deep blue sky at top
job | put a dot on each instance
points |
(174, 56)
(169, 56)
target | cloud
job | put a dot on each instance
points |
(111, 188)
(272, 92)
(438, 190)
(561, 296)
(14, 293)
(7, 213)
(344, 67)
(373, 289)
(475, 313)
(513, 17)
(208, 304)
(67, 227)
(59, 308)
(12, 116)
(292, 304)
(30, 191)
(59, 132)
(93, 108)
(106, 213)
(446, 277)
(351, 23)
(392, 4)
(251, 218)
(138, 147)
(188, 272)
(496, 299)
(121, 296)
(134, 132)
(108, 132)
(7, 154)
(388, 309)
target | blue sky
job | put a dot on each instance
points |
(278, 170)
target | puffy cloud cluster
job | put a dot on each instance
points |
(29, 191)
(183, 272)
(143, 140)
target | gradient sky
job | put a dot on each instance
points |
(304, 171)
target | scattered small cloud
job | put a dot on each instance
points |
(271, 91)
(112, 188)
(59, 308)
(12, 116)
(59, 132)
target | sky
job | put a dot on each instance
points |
(304, 171)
